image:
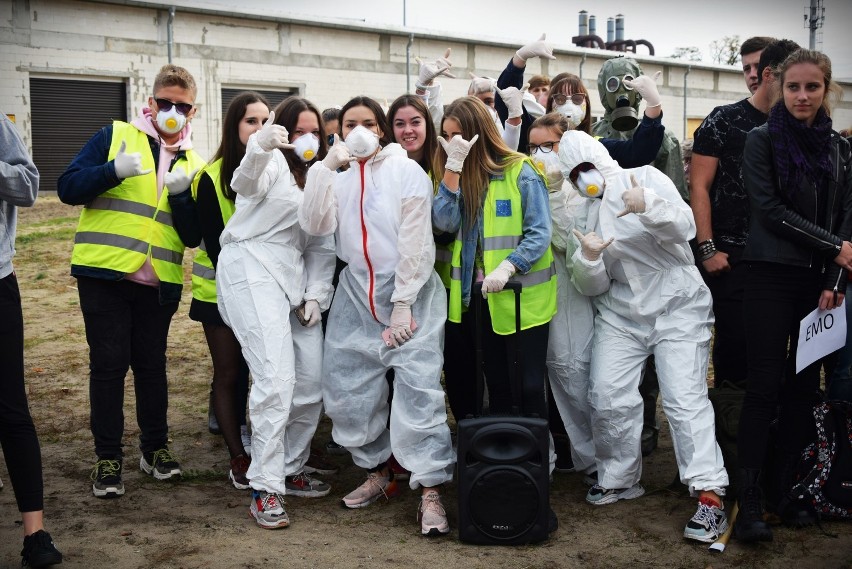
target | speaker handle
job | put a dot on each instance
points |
(515, 372)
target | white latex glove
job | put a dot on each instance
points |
(430, 70)
(400, 324)
(496, 279)
(591, 245)
(311, 313)
(456, 149)
(338, 155)
(553, 177)
(128, 165)
(634, 198)
(177, 181)
(272, 136)
(514, 99)
(647, 87)
(538, 48)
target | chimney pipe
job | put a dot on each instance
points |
(619, 27)
(584, 23)
(610, 30)
(593, 25)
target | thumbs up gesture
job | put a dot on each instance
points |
(177, 181)
(128, 165)
(272, 135)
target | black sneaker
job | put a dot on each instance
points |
(39, 550)
(106, 477)
(161, 464)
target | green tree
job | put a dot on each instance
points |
(689, 53)
(726, 50)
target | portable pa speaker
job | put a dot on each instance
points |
(503, 474)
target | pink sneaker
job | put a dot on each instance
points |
(432, 516)
(371, 490)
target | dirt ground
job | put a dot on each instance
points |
(202, 521)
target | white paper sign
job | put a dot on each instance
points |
(820, 333)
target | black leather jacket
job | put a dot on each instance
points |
(803, 228)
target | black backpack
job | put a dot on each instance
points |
(824, 478)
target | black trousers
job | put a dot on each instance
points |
(17, 433)
(126, 328)
(499, 350)
(776, 298)
(729, 357)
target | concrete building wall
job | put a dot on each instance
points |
(124, 40)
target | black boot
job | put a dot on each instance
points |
(750, 526)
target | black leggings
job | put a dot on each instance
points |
(776, 298)
(17, 433)
(230, 384)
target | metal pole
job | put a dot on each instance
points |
(169, 32)
(812, 24)
(685, 121)
(407, 50)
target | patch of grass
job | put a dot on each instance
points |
(54, 222)
(59, 234)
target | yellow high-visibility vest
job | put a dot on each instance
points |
(502, 220)
(203, 273)
(120, 228)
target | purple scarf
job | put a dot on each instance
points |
(800, 150)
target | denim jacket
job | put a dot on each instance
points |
(447, 211)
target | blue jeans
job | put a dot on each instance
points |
(840, 382)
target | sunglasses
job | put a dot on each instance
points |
(544, 147)
(576, 98)
(164, 105)
(613, 83)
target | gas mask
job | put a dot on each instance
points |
(624, 116)
(362, 142)
(590, 183)
(307, 146)
(171, 121)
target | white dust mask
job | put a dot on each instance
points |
(574, 113)
(171, 121)
(362, 142)
(307, 147)
(544, 161)
(591, 183)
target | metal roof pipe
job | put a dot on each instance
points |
(583, 24)
(619, 27)
(584, 41)
(610, 30)
(647, 44)
(593, 25)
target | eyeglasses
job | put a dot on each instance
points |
(576, 98)
(613, 83)
(165, 105)
(544, 147)
(581, 167)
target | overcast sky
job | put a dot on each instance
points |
(667, 24)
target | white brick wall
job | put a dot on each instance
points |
(327, 64)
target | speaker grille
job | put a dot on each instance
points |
(504, 502)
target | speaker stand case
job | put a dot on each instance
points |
(503, 465)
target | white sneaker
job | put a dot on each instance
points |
(599, 496)
(432, 516)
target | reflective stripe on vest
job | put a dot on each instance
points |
(203, 273)
(503, 230)
(443, 262)
(120, 228)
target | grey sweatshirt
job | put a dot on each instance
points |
(18, 187)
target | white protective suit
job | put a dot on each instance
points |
(569, 346)
(380, 212)
(268, 266)
(650, 300)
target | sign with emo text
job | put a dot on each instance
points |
(820, 333)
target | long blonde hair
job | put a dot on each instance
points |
(833, 91)
(488, 156)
